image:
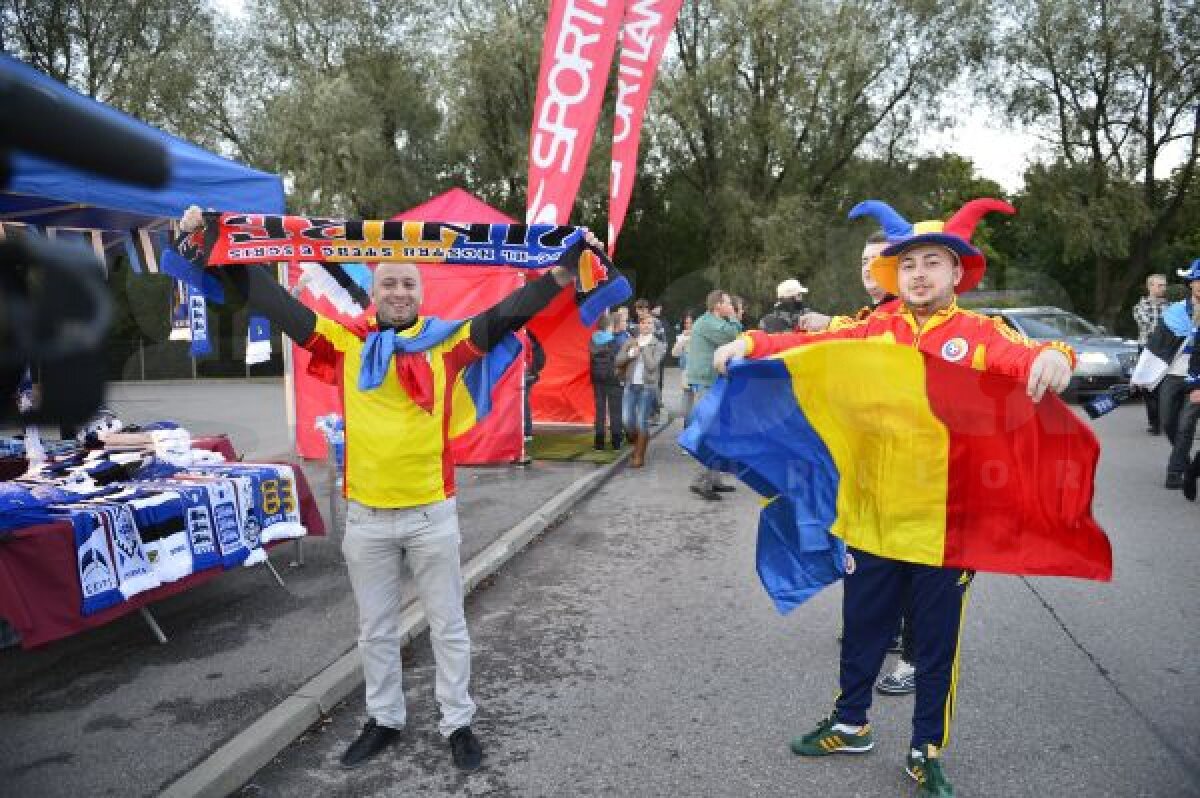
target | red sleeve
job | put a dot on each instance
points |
(325, 363)
(761, 344)
(461, 354)
(1008, 352)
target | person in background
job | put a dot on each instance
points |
(1146, 313)
(642, 310)
(641, 358)
(1192, 476)
(533, 370)
(712, 330)
(620, 328)
(739, 312)
(606, 385)
(1180, 414)
(680, 351)
(788, 307)
(668, 334)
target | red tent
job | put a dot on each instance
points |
(451, 292)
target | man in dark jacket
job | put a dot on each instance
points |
(1174, 341)
(787, 310)
(606, 384)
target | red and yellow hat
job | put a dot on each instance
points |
(954, 234)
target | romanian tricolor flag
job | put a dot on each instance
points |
(905, 456)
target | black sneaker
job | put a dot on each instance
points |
(1191, 478)
(1174, 481)
(705, 493)
(374, 738)
(616, 445)
(465, 749)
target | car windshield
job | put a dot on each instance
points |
(1053, 325)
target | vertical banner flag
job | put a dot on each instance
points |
(577, 52)
(648, 25)
(181, 329)
(197, 314)
(258, 340)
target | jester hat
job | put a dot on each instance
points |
(954, 234)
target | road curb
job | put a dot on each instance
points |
(235, 762)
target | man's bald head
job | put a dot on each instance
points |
(397, 292)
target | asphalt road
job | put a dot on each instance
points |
(631, 652)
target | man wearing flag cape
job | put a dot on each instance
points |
(888, 462)
(410, 383)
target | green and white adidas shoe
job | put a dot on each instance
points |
(831, 737)
(925, 766)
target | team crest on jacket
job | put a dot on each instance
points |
(954, 350)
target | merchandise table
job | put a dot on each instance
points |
(39, 583)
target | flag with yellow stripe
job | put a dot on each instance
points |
(903, 455)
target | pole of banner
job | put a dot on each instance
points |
(524, 398)
(289, 380)
(289, 410)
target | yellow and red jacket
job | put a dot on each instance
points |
(953, 334)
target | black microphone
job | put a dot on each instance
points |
(36, 120)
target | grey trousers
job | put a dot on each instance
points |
(385, 549)
(708, 478)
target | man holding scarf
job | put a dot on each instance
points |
(926, 265)
(403, 379)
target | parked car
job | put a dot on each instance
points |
(1103, 360)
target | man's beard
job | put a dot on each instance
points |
(399, 320)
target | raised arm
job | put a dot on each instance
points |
(257, 287)
(515, 310)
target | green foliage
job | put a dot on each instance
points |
(769, 120)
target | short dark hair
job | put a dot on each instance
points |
(878, 237)
(642, 303)
(714, 298)
(605, 322)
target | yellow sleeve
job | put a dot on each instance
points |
(338, 336)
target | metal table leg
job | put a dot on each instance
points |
(153, 624)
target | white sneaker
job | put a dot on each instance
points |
(901, 681)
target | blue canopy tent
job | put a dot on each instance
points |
(70, 204)
(53, 196)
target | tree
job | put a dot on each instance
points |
(489, 83)
(340, 104)
(161, 61)
(767, 103)
(1113, 87)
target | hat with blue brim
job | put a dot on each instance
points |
(1190, 273)
(953, 234)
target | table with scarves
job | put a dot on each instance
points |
(73, 559)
